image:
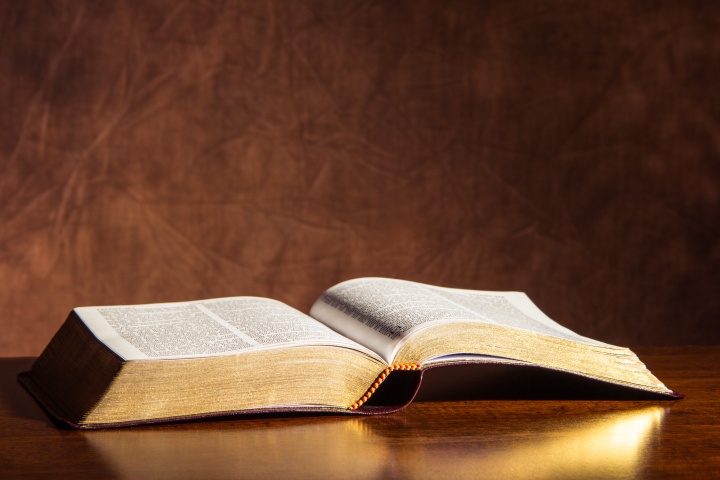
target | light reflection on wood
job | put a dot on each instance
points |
(602, 445)
(614, 445)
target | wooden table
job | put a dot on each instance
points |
(450, 439)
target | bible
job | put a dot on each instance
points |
(127, 365)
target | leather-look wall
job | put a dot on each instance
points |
(160, 150)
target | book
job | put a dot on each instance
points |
(362, 349)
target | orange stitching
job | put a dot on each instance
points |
(381, 378)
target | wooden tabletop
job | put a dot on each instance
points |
(523, 438)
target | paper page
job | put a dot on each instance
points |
(205, 328)
(471, 358)
(379, 312)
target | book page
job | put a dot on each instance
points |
(206, 328)
(379, 313)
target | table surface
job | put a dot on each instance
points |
(430, 439)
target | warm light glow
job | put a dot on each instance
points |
(613, 445)
(607, 445)
(330, 444)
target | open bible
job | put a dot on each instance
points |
(126, 365)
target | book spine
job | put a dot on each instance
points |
(381, 378)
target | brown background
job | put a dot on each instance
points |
(160, 151)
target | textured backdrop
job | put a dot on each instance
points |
(163, 150)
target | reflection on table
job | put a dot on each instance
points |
(610, 445)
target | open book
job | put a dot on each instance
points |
(125, 365)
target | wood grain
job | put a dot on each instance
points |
(449, 439)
